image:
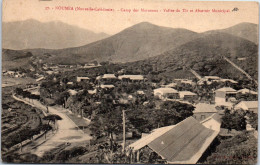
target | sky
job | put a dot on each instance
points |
(112, 22)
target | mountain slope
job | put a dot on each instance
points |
(244, 30)
(31, 34)
(12, 59)
(135, 43)
(203, 54)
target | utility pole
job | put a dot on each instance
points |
(123, 130)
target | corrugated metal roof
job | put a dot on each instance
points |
(149, 138)
(185, 142)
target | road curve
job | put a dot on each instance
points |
(67, 130)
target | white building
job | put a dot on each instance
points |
(246, 91)
(132, 77)
(79, 79)
(248, 106)
(40, 79)
(109, 76)
(164, 93)
(72, 92)
(212, 122)
(209, 78)
(222, 95)
(203, 111)
(107, 86)
(187, 95)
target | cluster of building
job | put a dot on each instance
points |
(226, 97)
(187, 141)
(170, 93)
(13, 74)
(210, 79)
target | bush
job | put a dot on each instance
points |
(73, 152)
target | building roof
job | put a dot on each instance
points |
(140, 92)
(214, 116)
(72, 92)
(249, 104)
(39, 79)
(245, 90)
(98, 77)
(108, 76)
(186, 81)
(165, 90)
(184, 143)
(226, 89)
(150, 137)
(225, 104)
(85, 78)
(187, 93)
(107, 86)
(212, 77)
(132, 77)
(205, 108)
(92, 91)
(230, 80)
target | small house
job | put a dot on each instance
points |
(187, 95)
(79, 79)
(203, 111)
(131, 77)
(164, 93)
(246, 91)
(222, 95)
(247, 106)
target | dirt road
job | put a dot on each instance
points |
(67, 130)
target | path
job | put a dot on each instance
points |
(241, 70)
(195, 74)
(67, 130)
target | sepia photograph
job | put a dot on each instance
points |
(129, 82)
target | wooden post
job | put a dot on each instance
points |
(123, 130)
(21, 147)
(138, 156)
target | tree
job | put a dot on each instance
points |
(52, 118)
(253, 120)
(235, 120)
(107, 124)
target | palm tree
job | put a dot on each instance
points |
(52, 118)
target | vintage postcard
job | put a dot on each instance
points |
(129, 82)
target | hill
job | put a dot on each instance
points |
(244, 30)
(30, 34)
(166, 51)
(12, 59)
(138, 42)
(203, 54)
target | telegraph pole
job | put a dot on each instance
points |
(123, 130)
